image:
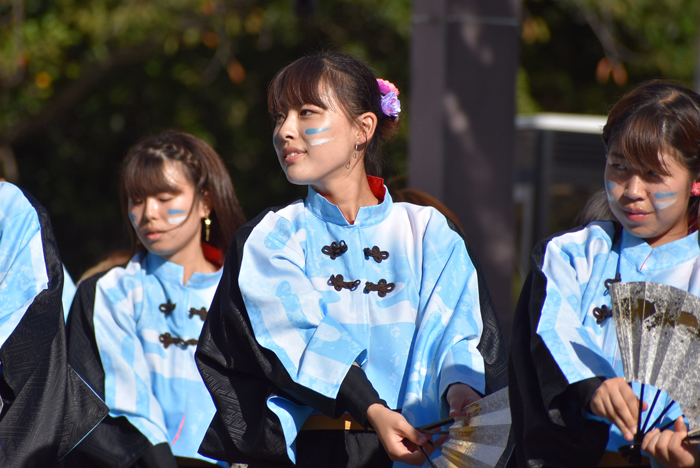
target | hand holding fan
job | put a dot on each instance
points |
(658, 333)
(479, 437)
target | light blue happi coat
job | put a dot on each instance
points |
(22, 266)
(412, 343)
(576, 265)
(158, 389)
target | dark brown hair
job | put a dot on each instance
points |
(142, 175)
(657, 116)
(354, 86)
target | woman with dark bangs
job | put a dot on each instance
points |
(570, 403)
(343, 319)
(133, 330)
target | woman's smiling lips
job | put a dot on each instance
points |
(291, 154)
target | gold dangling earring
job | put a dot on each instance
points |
(207, 223)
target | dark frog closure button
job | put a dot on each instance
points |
(601, 313)
(337, 282)
(335, 250)
(376, 254)
(167, 308)
(382, 287)
(201, 312)
(167, 339)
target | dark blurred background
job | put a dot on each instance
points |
(81, 81)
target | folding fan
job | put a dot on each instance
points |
(479, 437)
(659, 338)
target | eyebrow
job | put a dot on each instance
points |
(615, 154)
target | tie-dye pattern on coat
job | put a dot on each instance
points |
(158, 389)
(412, 343)
(576, 265)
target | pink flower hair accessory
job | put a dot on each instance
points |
(695, 189)
(391, 106)
(386, 87)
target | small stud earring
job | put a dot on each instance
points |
(207, 223)
(356, 142)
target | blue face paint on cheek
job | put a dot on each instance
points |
(275, 140)
(133, 218)
(665, 194)
(174, 212)
(314, 131)
(610, 185)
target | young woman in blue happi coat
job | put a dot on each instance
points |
(570, 402)
(133, 330)
(344, 320)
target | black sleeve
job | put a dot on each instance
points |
(157, 456)
(582, 392)
(47, 409)
(241, 375)
(115, 442)
(547, 413)
(357, 394)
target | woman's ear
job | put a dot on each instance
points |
(204, 205)
(367, 126)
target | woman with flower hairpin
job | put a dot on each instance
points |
(344, 304)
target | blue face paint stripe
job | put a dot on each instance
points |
(133, 217)
(610, 185)
(314, 131)
(174, 212)
(665, 194)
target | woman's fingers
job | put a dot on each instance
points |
(399, 438)
(669, 449)
(458, 396)
(615, 401)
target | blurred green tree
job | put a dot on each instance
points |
(581, 55)
(82, 81)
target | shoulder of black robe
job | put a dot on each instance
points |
(241, 378)
(115, 442)
(48, 407)
(548, 423)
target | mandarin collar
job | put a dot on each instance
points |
(318, 205)
(173, 273)
(638, 252)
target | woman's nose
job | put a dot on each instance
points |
(288, 129)
(150, 208)
(635, 188)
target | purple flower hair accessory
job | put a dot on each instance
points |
(391, 105)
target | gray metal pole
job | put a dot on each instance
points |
(464, 59)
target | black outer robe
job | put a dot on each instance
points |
(115, 442)
(241, 375)
(48, 407)
(548, 423)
